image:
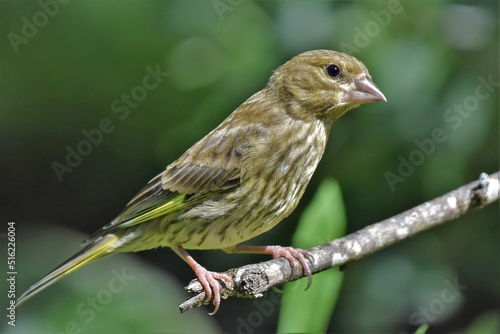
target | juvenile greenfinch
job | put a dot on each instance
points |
(242, 178)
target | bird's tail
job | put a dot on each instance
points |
(96, 250)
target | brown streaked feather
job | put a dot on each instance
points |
(209, 164)
(185, 180)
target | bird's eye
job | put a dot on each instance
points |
(333, 70)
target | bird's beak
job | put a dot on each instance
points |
(363, 90)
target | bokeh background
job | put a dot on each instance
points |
(62, 76)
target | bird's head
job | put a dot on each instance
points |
(324, 84)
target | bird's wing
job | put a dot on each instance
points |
(210, 167)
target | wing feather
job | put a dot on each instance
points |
(209, 167)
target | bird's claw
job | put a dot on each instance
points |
(292, 254)
(209, 282)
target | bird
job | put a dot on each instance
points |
(242, 178)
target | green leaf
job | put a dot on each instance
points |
(487, 322)
(422, 329)
(323, 220)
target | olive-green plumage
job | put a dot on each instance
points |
(242, 178)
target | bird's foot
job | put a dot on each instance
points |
(289, 253)
(208, 279)
(292, 254)
(211, 285)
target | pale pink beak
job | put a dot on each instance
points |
(363, 90)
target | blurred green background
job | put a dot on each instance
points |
(63, 65)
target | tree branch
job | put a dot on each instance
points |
(253, 280)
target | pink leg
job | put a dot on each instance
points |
(208, 279)
(289, 253)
